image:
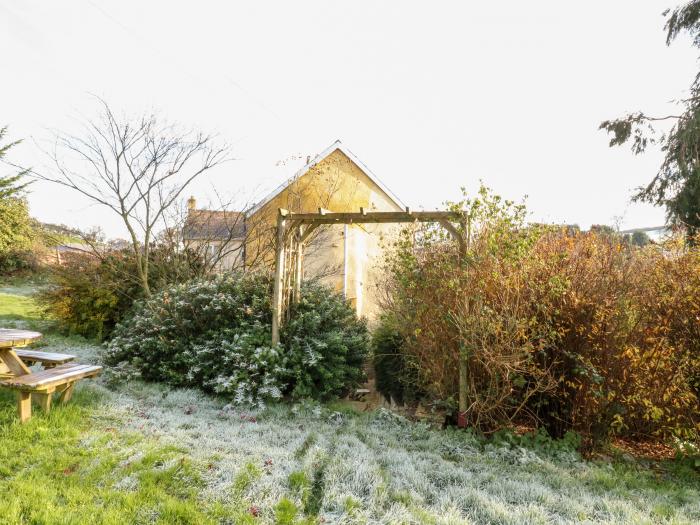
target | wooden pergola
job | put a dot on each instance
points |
(294, 229)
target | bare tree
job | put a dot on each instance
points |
(138, 168)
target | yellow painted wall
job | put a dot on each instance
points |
(337, 184)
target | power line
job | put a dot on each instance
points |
(192, 76)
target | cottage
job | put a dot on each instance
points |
(344, 257)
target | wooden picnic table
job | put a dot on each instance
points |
(58, 376)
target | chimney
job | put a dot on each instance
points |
(191, 204)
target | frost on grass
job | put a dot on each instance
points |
(21, 289)
(379, 468)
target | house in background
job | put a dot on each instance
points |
(344, 257)
(217, 235)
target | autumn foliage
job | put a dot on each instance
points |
(625, 352)
(560, 329)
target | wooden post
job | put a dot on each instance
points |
(465, 242)
(463, 238)
(44, 400)
(289, 264)
(278, 294)
(24, 406)
(66, 394)
(298, 264)
(463, 387)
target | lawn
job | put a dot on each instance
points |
(143, 453)
(16, 307)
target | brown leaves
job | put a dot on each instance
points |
(583, 332)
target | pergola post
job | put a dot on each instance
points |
(298, 263)
(278, 293)
(463, 387)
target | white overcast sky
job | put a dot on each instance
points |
(431, 95)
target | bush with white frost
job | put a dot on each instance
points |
(215, 335)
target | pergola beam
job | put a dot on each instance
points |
(373, 217)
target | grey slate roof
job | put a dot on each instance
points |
(214, 225)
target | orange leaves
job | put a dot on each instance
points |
(579, 331)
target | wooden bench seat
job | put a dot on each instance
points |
(47, 359)
(45, 383)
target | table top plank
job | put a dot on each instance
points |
(11, 337)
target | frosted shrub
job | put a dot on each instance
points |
(250, 372)
(215, 335)
(326, 344)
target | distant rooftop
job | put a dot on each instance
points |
(212, 225)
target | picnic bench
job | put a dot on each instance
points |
(46, 359)
(59, 373)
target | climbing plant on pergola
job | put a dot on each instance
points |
(293, 230)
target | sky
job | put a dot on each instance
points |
(432, 96)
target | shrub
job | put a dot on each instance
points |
(395, 374)
(626, 325)
(215, 335)
(467, 303)
(325, 343)
(574, 331)
(587, 288)
(16, 261)
(212, 334)
(89, 295)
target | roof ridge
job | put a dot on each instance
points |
(336, 145)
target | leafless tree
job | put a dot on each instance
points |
(138, 168)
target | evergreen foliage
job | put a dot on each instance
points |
(215, 334)
(676, 186)
(394, 378)
(10, 184)
(16, 227)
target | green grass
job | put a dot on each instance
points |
(78, 464)
(18, 307)
(71, 466)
